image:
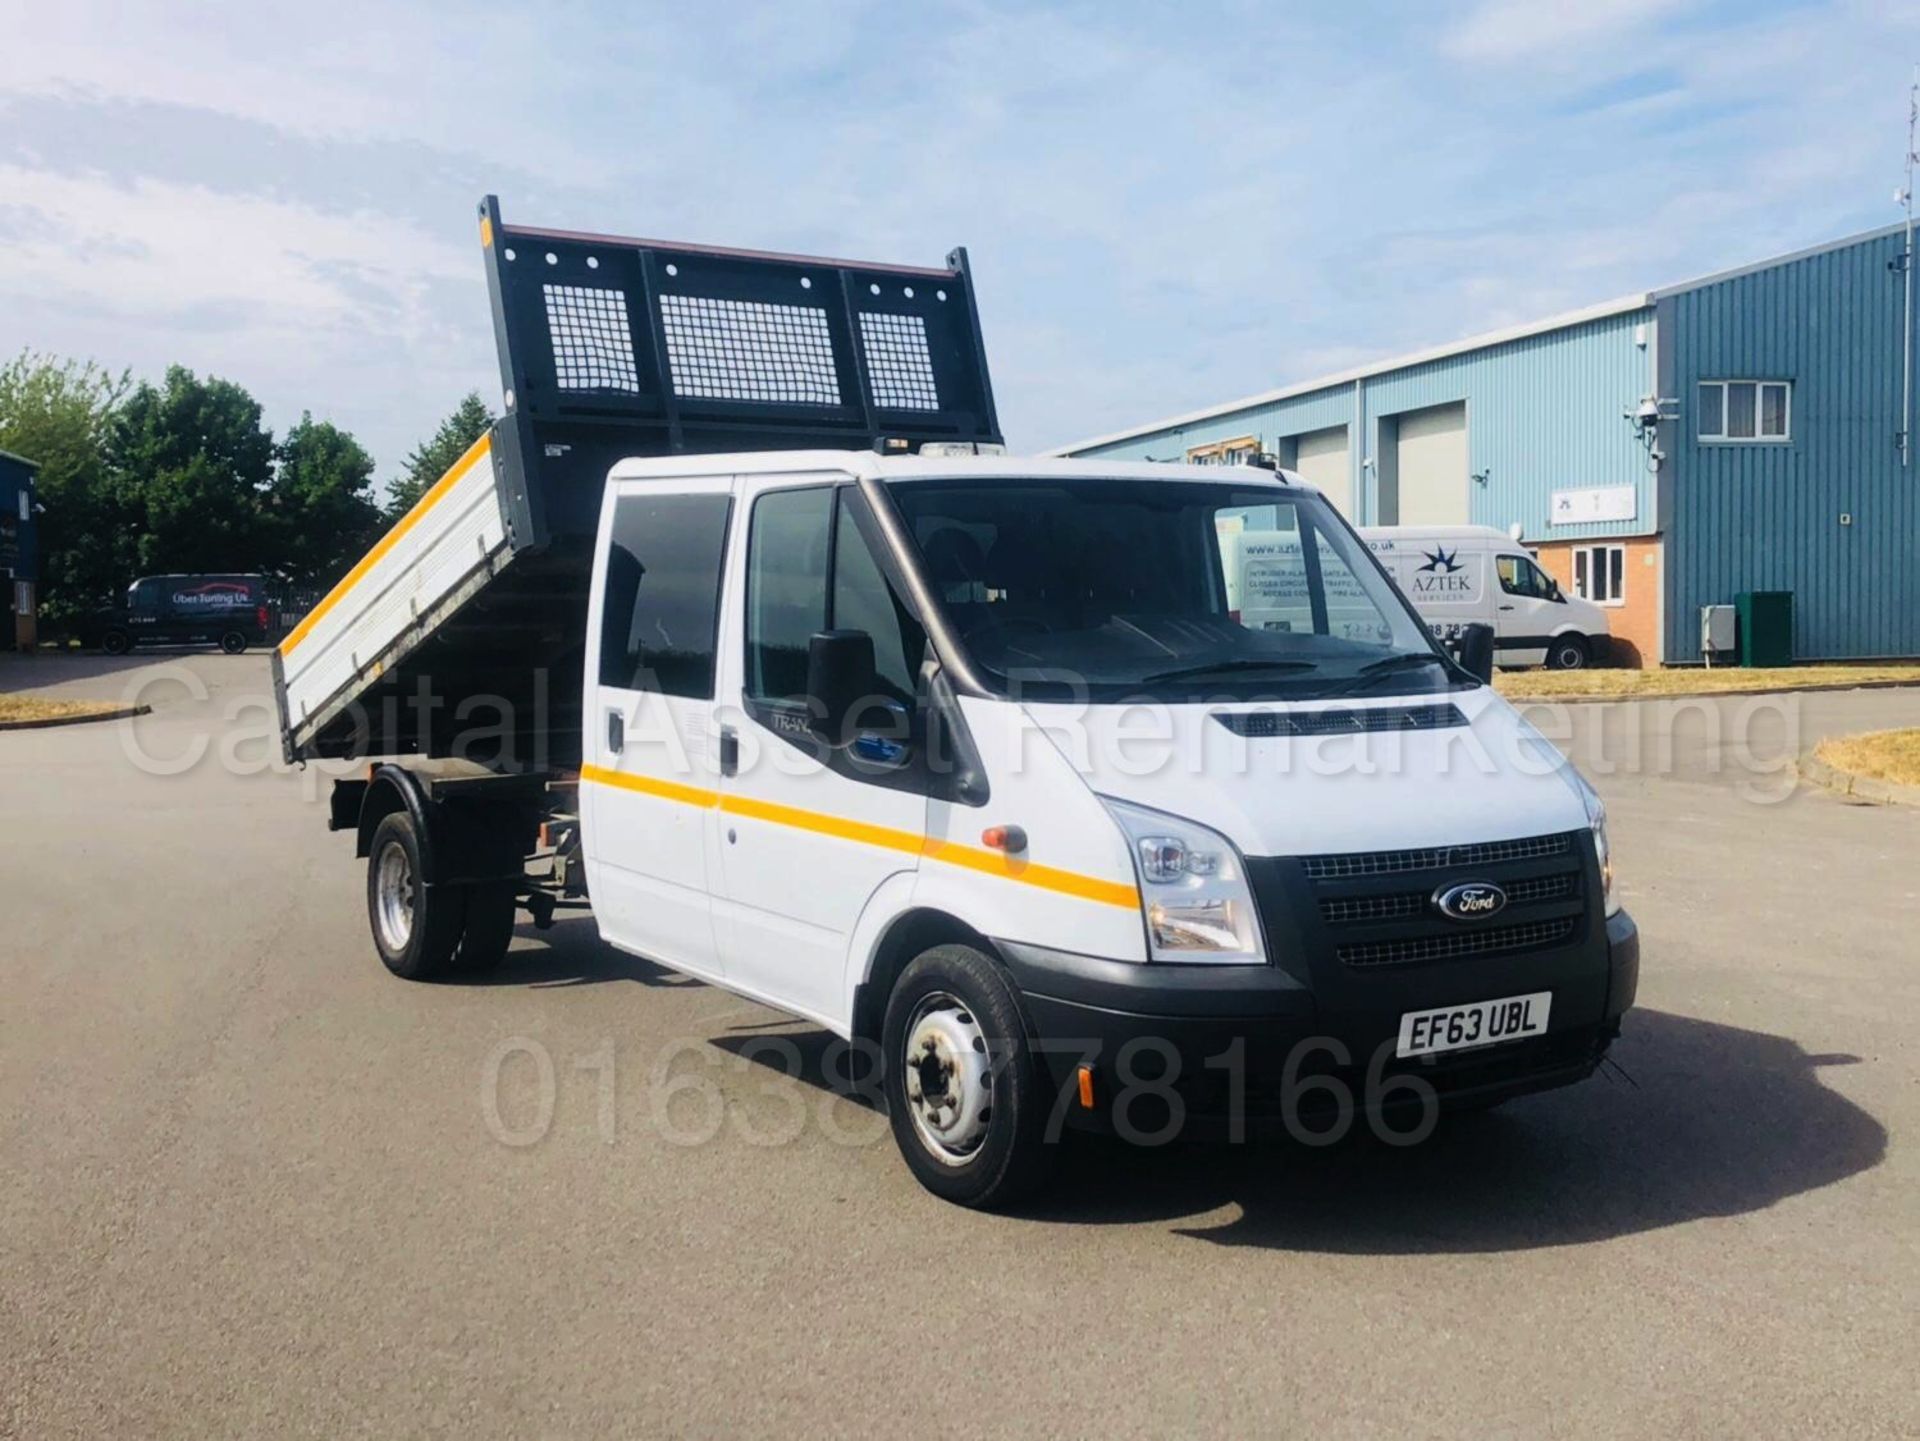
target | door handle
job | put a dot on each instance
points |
(616, 731)
(1506, 607)
(729, 751)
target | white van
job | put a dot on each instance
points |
(1457, 574)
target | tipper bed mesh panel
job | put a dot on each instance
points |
(613, 347)
(592, 339)
(747, 350)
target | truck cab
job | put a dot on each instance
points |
(903, 747)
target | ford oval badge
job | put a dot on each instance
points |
(1470, 901)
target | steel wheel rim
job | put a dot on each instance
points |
(393, 897)
(947, 1076)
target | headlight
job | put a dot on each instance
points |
(1193, 887)
(1597, 822)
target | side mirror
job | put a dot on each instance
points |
(840, 675)
(1476, 651)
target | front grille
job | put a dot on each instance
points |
(1496, 940)
(1355, 910)
(1261, 725)
(1434, 858)
(1377, 909)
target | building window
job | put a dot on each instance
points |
(1600, 573)
(1745, 409)
(1242, 450)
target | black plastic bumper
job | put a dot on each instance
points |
(1240, 1042)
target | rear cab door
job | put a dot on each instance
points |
(648, 794)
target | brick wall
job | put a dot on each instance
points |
(1635, 622)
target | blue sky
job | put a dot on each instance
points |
(1166, 206)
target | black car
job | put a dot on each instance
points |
(232, 611)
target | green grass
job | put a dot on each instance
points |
(1628, 684)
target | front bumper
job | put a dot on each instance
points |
(1249, 1048)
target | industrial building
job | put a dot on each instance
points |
(19, 553)
(1659, 453)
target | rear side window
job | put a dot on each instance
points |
(662, 602)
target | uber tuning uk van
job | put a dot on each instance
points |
(1458, 574)
(1004, 771)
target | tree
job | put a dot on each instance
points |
(322, 512)
(191, 464)
(470, 420)
(58, 413)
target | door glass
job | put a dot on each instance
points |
(663, 594)
(786, 589)
(862, 600)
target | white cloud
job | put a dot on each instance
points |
(1561, 31)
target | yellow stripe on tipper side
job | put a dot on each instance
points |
(951, 853)
(387, 542)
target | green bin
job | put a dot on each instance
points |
(1766, 627)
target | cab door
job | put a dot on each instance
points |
(1527, 613)
(648, 793)
(808, 834)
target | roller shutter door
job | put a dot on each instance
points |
(1433, 466)
(1322, 461)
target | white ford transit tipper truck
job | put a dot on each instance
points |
(737, 630)
(1457, 575)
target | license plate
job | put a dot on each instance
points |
(1483, 1023)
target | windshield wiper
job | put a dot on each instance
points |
(1223, 666)
(1391, 665)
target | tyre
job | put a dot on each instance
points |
(233, 642)
(116, 642)
(964, 1095)
(488, 930)
(415, 929)
(1567, 652)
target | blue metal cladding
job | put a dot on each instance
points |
(1769, 515)
(19, 552)
(1544, 413)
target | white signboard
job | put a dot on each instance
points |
(1607, 502)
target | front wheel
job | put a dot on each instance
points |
(116, 642)
(964, 1096)
(1567, 652)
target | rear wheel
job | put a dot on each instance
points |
(416, 928)
(964, 1096)
(1567, 652)
(489, 928)
(233, 642)
(116, 642)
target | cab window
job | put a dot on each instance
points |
(809, 569)
(662, 599)
(1520, 576)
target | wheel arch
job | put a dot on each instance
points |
(392, 788)
(889, 944)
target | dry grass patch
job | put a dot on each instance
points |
(36, 708)
(1881, 755)
(1627, 684)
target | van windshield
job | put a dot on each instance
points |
(1176, 590)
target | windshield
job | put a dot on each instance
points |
(1176, 589)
